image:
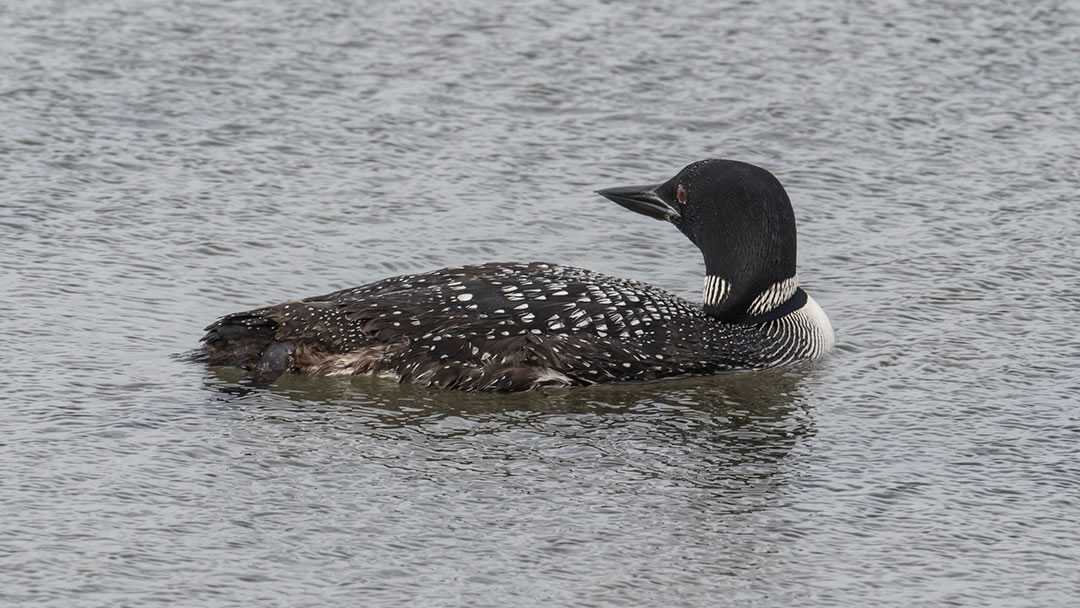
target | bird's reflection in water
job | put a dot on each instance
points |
(759, 395)
(717, 431)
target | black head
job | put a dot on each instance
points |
(737, 214)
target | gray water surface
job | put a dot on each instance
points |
(162, 164)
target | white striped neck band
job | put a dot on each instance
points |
(715, 290)
(774, 296)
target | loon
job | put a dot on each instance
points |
(515, 327)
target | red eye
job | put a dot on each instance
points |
(681, 195)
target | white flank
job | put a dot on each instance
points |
(549, 377)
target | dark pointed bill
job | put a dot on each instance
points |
(642, 199)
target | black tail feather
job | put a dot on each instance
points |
(239, 339)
